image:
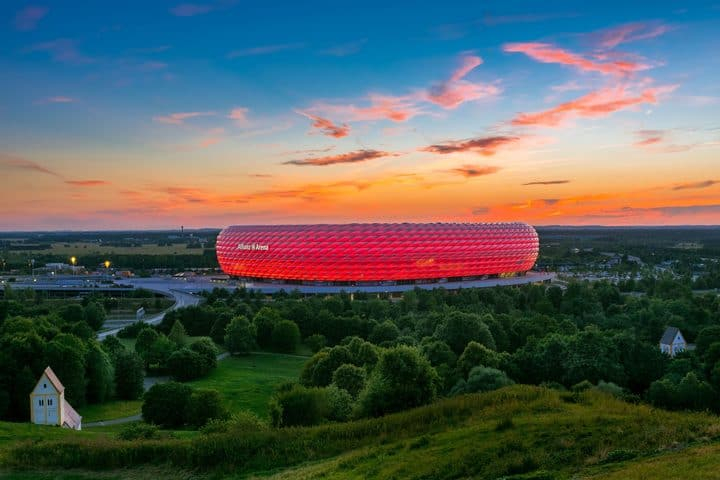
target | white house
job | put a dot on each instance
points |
(48, 405)
(673, 342)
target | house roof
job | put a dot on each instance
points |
(70, 417)
(54, 380)
(669, 335)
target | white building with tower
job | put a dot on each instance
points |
(48, 405)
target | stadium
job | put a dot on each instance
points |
(380, 256)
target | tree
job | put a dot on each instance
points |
(177, 334)
(129, 375)
(217, 332)
(207, 349)
(384, 332)
(95, 315)
(327, 364)
(265, 320)
(316, 342)
(159, 351)
(240, 336)
(285, 336)
(706, 337)
(72, 313)
(402, 379)
(145, 339)
(339, 404)
(185, 364)
(66, 356)
(165, 404)
(100, 374)
(205, 405)
(350, 378)
(476, 354)
(459, 328)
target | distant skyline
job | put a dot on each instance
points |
(140, 115)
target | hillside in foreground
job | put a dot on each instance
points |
(517, 432)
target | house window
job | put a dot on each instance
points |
(44, 385)
(50, 402)
(40, 402)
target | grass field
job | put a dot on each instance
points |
(247, 382)
(79, 248)
(515, 433)
(110, 410)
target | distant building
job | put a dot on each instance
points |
(673, 342)
(48, 405)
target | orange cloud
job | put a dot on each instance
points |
(547, 53)
(599, 103)
(471, 171)
(326, 126)
(629, 32)
(696, 185)
(351, 157)
(455, 91)
(87, 183)
(239, 114)
(180, 117)
(382, 107)
(483, 145)
(547, 182)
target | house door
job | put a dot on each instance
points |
(39, 410)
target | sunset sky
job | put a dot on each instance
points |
(156, 114)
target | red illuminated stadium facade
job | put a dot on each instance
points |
(377, 254)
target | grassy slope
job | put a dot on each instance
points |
(110, 410)
(462, 437)
(247, 382)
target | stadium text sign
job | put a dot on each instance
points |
(253, 247)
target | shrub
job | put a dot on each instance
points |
(298, 406)
(350, 378)
(316, 342)
(139, 431)
(203, 406)
(185, 364)
(611, 388)
(165, 404)
(207, 349)
(285, 336)
(339, 404)
(401, 380)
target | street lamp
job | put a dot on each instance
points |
(73, 260)
(107, 268)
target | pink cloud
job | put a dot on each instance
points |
(10, 161)
(264, 50)
(471, 171)
(61, 50)
(455, 91)
(483, 145)
(381, 107)
(598, 103)
(28, 18)
(351, 157)
(87, 183)
(239, 114)
(547, 53)
(629, 32)
(326, 126)
(180, 117)
(649, 137)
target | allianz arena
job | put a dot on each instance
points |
(378, 253)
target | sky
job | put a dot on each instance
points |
(156, 114)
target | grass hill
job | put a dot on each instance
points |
(519, 432)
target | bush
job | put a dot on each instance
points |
(611, 388)
(207, 349)
(240, 423)
(139, 431)
(285, 336)
(350, 378)
(476, 354)
(482, 379)
(165, 404)
(316, 342)
(298, 406)
(203, 406)
(401, 380)
(185, 364)
(339, 404)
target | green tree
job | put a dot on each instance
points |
(240, 336)
(166, 404)
(327, 364)
(339, 404)
(316, 342)
(384, 332)
(95, 315)
(185, 364)
(66, 356)
(265, 320)
(205, 347)
(476, 354)
(100, 374)
(159, 351)
(482, 379)
(286, 336)
(350, 378)
(205, 405)
(298, 406)
(402, 379)
(177, 334)
(143, 344)
(459, 328)
(129, 375)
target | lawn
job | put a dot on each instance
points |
(110, 410)
(247, 382)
